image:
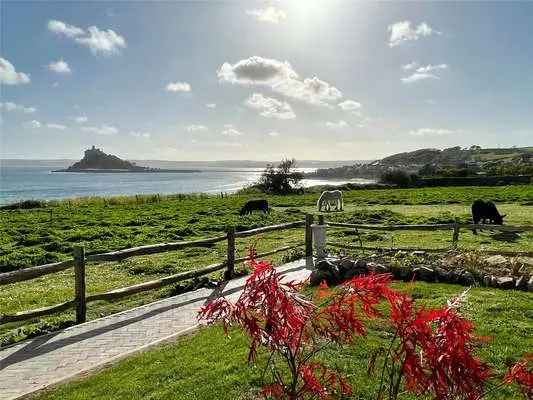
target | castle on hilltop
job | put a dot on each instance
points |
(95, 159)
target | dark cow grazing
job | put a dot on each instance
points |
(254, 205)
(483, 211)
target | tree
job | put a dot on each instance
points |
(282, 179)
(396, 177)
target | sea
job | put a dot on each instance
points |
(34, 179)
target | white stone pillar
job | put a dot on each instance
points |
(319, 239)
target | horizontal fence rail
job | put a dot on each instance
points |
(270, 228)
(341, 245)
(120, 255)
(431, 227)
(34, 272)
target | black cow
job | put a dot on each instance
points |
(254, 205)
(486, 210)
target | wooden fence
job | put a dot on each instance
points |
(454, 227)
(79, 260)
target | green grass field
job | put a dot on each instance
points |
(208, 365)
(47, 234)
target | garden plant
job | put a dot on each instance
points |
(431, 352)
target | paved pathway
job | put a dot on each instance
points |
(41, 362)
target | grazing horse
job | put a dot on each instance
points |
(486, 210)
(330, 198)
(254, 205)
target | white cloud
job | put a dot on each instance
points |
(60, 66)
(337, 125)
(211, 105)
(429, 68)
(56, 126)
(102, 130)
(106, 42)
(60, 28)
(350, 105)
(410, 66)
(417, 76)
(269, 14)
(140, 135)
(432, 132)
(402, 31)
(270, 107)
(80, 119)
(230, 131)
(196, 128)
(178, 87)
(273, 134)
(280, 77)
(9, 106)
(9, 76)
(423, 73)
(33, 124)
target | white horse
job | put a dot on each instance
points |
(330, 198)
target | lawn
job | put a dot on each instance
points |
(47, 234)
(208, 365)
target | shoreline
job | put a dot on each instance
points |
(127, 171)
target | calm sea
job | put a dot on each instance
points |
(23, 180)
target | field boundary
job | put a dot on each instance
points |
(79, 260)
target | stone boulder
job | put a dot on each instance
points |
(334, 271)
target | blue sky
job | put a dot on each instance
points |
(262, 80)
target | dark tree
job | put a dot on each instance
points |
(282, 179)
(396, 177)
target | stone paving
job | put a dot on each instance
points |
(47, 360)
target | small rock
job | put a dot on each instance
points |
(493, 281)
(317, 277)
(452, 276)
(178, 237)
(467, 278)
(505, 282)
(486, 280)
(424, 274)
(361, 265)
(418, 253)
(530, 284)
(377, 268)
(496, 260)
(521, 283)
(441, 274)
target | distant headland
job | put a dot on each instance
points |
(96, 161)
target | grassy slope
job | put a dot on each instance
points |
(47, 234)
(209, 366)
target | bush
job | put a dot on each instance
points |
(282, 179)
(397, 177)
(431, 353)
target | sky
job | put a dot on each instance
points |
(309, 79)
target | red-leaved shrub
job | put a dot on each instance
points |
(431, 352)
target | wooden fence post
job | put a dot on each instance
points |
(230, 260)
(455, 237)
(308, 235)
(79, 271)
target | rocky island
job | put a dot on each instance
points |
(95, 160)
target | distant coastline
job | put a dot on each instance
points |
(123, 171)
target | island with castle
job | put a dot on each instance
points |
(95, 160)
